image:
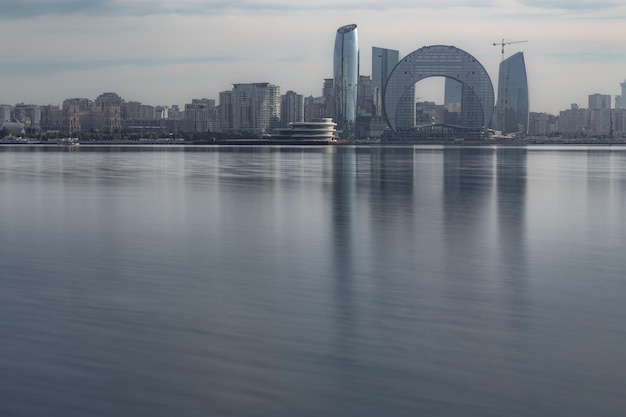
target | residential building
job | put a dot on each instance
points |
(315, 108)
(198, 115)
(599, 101)
(291, 108)
(256, 107)
(225, 111)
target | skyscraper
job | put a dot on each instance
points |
(623, 96)
(439, 61)
(346, 75)
(291, 108)
(256, 107)
(599, 101)
(452, 93)
(512, 109)
(383, 62)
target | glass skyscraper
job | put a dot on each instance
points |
(346, 75)
(383, 63)
(512, 110)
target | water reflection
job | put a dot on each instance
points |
(511, 243)
(312, 281)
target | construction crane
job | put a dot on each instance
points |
(506, 43)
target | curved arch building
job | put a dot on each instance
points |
(346, 75)
(442, 61)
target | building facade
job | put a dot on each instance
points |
(599, 101)
(512, 108)
(198, 115)
(225, 111)
(383, 62)
(622, 97)
(291, 108)
(346, 77)
(441, 61)
(256, 107)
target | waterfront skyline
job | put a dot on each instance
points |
(168, 53)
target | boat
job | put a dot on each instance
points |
(68, 142)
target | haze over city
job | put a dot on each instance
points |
(164, 53)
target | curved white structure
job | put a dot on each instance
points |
(318, 129)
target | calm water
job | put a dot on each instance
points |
(337, 281)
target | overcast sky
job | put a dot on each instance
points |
(168, 52)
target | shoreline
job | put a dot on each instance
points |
(266, 142)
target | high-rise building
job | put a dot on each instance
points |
(364, 96)
(198, 115)
(328, 95)
(574, 121)
(512, 108)
(315, 108)
(440, 61)
(599, 101)
(225, 111)
(5, 113)
(291, 108)
(346, 77)
(256, 107)
(383, 62)
(623, 100)
(452, 93)
(110, 117)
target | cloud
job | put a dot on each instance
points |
(31, 8)
(581, 57)
(25, 9)
(35, 69)
(571, 5)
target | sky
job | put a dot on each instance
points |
(168, 52)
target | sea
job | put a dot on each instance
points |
(312, 281)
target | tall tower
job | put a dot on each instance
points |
(599, 101)
(346, 75)
(291, 108)
(512, 109)
(383, 62)
(623, 99)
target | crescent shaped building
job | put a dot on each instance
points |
(477, 103)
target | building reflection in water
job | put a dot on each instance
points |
(511, 254)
